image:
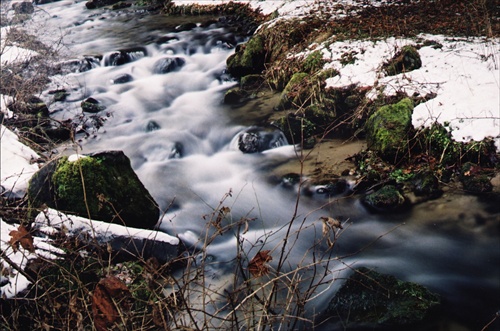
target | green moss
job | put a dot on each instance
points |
(369, 297)
(313, 62)
(387, 130)
(248, 58)
(105, 188)
(387, 198)
(292, 91)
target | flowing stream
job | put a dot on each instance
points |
(182, 143)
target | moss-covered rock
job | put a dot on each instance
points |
(248, 58)
(313, 62)
(235, 96)
(292, 91)
(388, 198)
(387, 130)
(426, 184)
(407, 59)
(251, 81)
(373, 299)
(102, 186)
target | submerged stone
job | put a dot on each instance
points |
(373, 300)
(101, 186)
(122, 79)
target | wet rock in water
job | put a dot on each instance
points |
(290, 180)
(166, 39)
(24, 7)
(235, 96)
(255, 140)
(474, 179)
(407, 59)
(93, 4)
(426, 184)
(152, 126)
(185, 26)
(113, 192)
(177, 151)
(388, 198)
(122, 79)
(168, 64)
(248, 58)
(121, 57)
(91, 105)
(121, 5)
(375, 300)
(79, 65)
(388, 130)
(338, 187)
(59, 95)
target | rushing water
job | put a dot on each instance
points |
(183, 145)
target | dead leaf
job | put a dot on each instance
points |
(257, 265)
(330, 226)
(111, 299)
(23, 237)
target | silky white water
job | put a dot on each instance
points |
(183, 146)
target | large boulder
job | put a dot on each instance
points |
(387, 130)
(376, 300)
(248, 58)
(100, 186)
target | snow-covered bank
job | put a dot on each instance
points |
(463, 74)
(18, 164)
(19, 247)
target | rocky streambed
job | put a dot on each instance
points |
(266, 171)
